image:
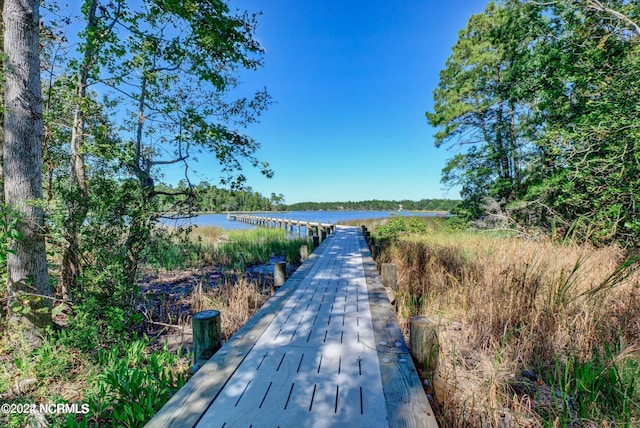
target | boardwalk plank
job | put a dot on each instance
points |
(186, 407)
(326, 351)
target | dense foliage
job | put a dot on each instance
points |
(378, 205)
(128, 90)
(209, 198)
(542, 100)
(141, 88)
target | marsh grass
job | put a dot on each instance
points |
(567, 313)
(171, 249)
(252, 247)
(209, 236)
(370, 223)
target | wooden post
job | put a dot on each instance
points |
(316, 242)
(279, 274)
(207, 336)
(389, 280)
(423, 338)
(323, 234)
(389, 275)
(375, 251)
(304, 253)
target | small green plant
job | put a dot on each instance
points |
(599, 388)
(8, 234)
(132, 386)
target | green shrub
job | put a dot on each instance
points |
(97, 324)
(398, 225)
(131, 388)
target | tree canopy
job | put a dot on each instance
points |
(128, 89)
(541, 100)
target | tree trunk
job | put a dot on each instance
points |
(71, 266)
(1, 104)
(27, 268)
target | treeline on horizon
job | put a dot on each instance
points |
(539, 100)
(378, 205)
(205, 197)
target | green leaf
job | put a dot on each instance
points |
(57, 310)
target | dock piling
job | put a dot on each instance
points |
(279, 275)
(207, 335)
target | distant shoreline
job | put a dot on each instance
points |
(439, 212)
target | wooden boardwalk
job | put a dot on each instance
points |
(309, 227)
(325, 351)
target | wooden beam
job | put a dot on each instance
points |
(407, 403)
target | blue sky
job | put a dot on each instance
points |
(352, 81)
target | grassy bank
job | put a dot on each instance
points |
(208, 245)
(532, 333)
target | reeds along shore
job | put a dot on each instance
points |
(532, 333)
(239, 249)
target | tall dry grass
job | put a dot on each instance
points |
(237, 302)
(370, 223)
(208, 235)
(510, 305)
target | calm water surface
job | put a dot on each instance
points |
(220, 220)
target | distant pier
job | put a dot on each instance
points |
(311, 228)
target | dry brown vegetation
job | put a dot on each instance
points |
(508, 306)
(237, 302)
(168, 315)
(208, 235)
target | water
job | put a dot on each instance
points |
(220, 220)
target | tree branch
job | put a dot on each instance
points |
(597, 6)
(168, 162)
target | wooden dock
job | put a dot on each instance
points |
(324, 351)
(317, 228)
